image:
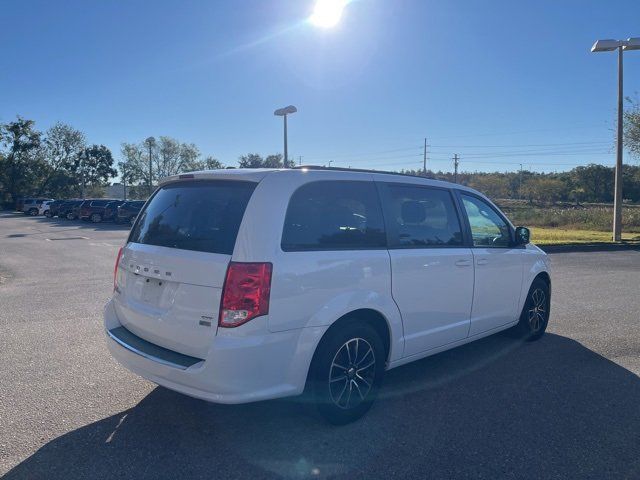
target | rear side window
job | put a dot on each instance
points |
(202, 215)
(421, 217)
(334, 215)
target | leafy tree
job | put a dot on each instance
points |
(596, 180)
(95, 167)
(208, 163)
(20, 164)
(632, 127)
(492, 185)
(543, 189)
(61, 148)
(253, 160)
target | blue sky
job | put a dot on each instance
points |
(498, 82)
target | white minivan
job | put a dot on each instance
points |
(250, 284)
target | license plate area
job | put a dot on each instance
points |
(152, 290)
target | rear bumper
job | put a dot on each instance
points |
(238, 368)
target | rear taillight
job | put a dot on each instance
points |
(245, 295)
(115, 270)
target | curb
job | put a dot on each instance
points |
(589, 247)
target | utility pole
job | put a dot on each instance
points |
(456, 162)
(82, 164)
(300, 160)
(124, 181)
(283, 112)
(620, 46)
(150, 171)
(424, 159)
(617, 199)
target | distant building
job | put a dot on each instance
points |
(116, 190)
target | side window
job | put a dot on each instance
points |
(421, 217)
(488, 229)
(334, 215)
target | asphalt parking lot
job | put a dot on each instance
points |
(567, 406)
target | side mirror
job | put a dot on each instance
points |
(523, 235)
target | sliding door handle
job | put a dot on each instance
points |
(463, 263)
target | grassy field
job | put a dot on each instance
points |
(568, 223)
(548, 236)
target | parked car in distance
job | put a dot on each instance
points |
(111, 210)
(128, 211)
(69, 210)
(244, 285)
(52, 208)
(93, 209)
(44, 207)
(31, 206)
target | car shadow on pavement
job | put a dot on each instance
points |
(63, 222)
(497, 408)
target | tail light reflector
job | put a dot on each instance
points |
(245, 294)
(115, 270)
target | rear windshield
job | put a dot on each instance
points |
(202, 215)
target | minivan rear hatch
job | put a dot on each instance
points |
(170, 276)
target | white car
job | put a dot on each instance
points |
(243, 285)
(44, 207)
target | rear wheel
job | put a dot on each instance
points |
(47, 213)
(535, 314)
(96, 217)
(33, 212)
(347, 372)
(70, 216)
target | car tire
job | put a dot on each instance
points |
(33, 212)
(346, 372)
(95, 218)
(132, 220)
(47, 214)
(70, 216)
(535, 313)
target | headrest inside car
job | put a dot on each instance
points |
(413, 212)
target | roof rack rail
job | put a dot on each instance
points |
(362, 170)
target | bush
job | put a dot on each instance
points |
(579, 218)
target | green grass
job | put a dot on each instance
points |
(549, 236)
(597, 218)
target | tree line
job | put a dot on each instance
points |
(590, 183)
(60, 163)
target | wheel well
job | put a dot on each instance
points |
(371, 317)
(544, 276)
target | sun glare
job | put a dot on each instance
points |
(327, 13)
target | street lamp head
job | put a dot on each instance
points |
(281, 112)
(606, 45)
(632, 44)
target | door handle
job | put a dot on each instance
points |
(482, 261)
(463, 263)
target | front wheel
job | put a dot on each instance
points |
(96, 217)
(535, 314)
(347, 372)
(33, 212)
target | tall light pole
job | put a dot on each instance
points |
(283, 112)
(620, 46)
